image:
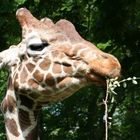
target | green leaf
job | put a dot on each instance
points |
(103, 46)
(19, 2)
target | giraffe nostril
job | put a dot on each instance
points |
(104, 56)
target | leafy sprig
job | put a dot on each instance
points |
(112, 84)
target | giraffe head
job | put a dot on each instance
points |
(42, 36)
(54, 58)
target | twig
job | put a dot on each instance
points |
(111, 85)
(106, 110)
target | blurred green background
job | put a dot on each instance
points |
(114, 26)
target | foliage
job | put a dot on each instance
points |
(115, 27)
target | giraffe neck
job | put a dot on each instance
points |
(21, 122)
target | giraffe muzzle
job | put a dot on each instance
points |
(106, 65)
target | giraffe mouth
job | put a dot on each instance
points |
(96, 79)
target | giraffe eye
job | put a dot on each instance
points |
(39, 46)
(36, 47)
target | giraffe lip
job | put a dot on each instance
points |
(116, 72)
(101, 78)
(96, 79)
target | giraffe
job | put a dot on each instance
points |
(51, 63)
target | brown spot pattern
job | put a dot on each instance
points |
(67, 69)
(26, 101)
(38, 76)
(59, 79)
(65, 81)
(30, 67)
(4, 105)
(12, 126)
(9, 104)
(49, 80)
(32, 84)
(56, 68)
(16, 83)
(23, 75)
(45, 64)
(24, 119)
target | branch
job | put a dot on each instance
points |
(105, 118)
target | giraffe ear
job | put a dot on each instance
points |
(68, 28)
